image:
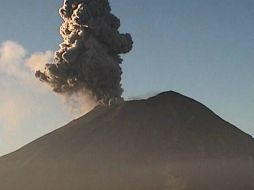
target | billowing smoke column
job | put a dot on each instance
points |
(89, 57)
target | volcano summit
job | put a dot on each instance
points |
(165, 142)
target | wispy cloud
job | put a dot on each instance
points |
(12, 59)
(19, 87)
(37, 60)
(24, 99)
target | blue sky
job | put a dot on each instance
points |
(200, 48)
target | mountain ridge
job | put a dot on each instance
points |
(166, 141)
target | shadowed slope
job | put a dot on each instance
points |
(165, 142)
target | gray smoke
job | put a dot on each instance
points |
(89, 56)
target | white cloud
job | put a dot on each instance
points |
(25, 102)
(37, 61)
(19, 87)
(13, 111)
(11, 59)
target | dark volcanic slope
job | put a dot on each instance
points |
(165, 142)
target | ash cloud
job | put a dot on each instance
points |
(89, 56)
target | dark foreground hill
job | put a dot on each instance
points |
(167, 142)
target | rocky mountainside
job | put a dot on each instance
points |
(166, 142)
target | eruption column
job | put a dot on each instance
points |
(89, 56)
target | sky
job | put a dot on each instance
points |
(200, 48)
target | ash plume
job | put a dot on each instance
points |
(89, 56)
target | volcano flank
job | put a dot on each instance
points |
(168, 141)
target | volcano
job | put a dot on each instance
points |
(165, 142)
